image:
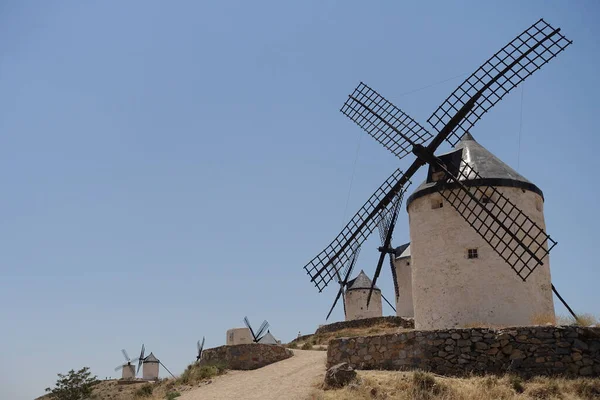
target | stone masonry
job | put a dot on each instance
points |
(525, 351)
(245, 356)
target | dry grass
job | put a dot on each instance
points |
(425, 386)
(322, 339)
(582, 320)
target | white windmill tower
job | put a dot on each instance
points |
(355, 292)
(128, 369)
(150, 368)
(457, 277)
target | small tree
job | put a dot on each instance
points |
(73, 386)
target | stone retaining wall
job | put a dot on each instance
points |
(245, 356)
(526, 351)
(406, 323)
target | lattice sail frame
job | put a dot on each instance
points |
(385, 122)
(538, 44)
(479, 212)
(352, 234)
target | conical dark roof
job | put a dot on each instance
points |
(362, 281)
(151, 358)
(493, 171)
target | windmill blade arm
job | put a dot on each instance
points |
(167, 369)
(247, 322)
(386, 244)
(375, 276)
(386, 123)
(504, 71)
(389, 304)
(261, 330)
(323, 268)
(394, 275)
(512, 234)
(119, 367)
(134, 360)
(342, 285)
(125, 354)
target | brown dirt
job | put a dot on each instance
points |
(293, 379)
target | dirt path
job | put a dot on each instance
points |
(288, 379)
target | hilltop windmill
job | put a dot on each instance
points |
(200, 348)
(516, 238)
(128, 368)
(256, 336)
(350, 292)
(151, 367)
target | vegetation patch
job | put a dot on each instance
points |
(425, 386)
(195, 373)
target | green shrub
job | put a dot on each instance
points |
(292, 345)
(307, 346)
(516, 382)
(172, 395)
(195, 373)
(144, 391)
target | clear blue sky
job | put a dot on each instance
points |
(168, 167)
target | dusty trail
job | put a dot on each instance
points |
(288, 379)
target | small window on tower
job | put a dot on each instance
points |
(437, 203)
(408, 263)
(472, 253)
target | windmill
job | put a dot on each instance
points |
(512, 234)
(200, 348)
(256, 336)
(128, 368)
(345, 284)
(150, 367)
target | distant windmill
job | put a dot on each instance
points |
(150, 371)
(256, 336)
(128, 368)
(200, 348)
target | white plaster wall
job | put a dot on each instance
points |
(150, 371)
(356, 304)
(404, 302)
(450, 290)
(128, 372)
(238, 336)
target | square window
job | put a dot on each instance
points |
(435, 204)
(472, 253)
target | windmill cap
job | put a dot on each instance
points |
(151, 358)
(362, 281)
(493, 171)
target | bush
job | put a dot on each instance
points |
(307, 346)
(145, 391)
(516, 382)
(74, 385)
(195, 373)
(292, 345)
(425, 386)
(587, 389)
(172, 395)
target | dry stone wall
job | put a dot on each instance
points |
(525, 351)
(245, 356)
(406, 323)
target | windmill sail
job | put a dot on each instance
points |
(500, 74)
